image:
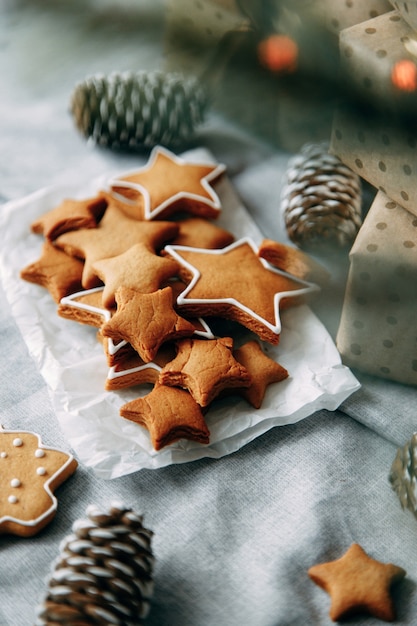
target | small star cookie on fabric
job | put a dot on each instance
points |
(168, 184)
(357, 583)
(205, 367)
(115, 234)
(70, 215)
(235, 283)
(169, 414)
(146, 321)
(29, 474)
(263, 371)
(55, 270)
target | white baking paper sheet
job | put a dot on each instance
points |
(73, 364)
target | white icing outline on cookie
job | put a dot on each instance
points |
(112, 347)
(112, 374)
(212, 202)
(182, 299)
(46, 485)
(70, 301)
(105, 313)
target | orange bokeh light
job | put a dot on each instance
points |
(404, 75)
(278, 53)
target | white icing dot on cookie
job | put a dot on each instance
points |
(12, 499)
(15, 482)
(17, 442)
(3, 455)
(39, 453)
(41, 471)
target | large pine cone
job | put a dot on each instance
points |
(138, 110)
(403, 475)
(103, 574)
(321, 199)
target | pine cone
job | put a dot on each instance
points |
(321, 199)
(139, 110)
(403, 475)
(103, 574)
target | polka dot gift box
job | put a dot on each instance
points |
(339, 14)
(378, 57)
(408, 10)
(383, 154)
(378, 326)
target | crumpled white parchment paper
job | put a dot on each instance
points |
(73, 364)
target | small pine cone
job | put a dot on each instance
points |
(321, 199)
(403, 475)
(103, 574)
(137, 110)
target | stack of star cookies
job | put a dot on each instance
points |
(145, 264)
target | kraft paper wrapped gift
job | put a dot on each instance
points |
(378, 326)
(368, 54)
(408, 10)
(339, 14)
(383, 154)
(218, 42)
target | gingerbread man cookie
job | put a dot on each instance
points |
(29, 474)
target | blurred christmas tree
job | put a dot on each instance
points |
(273, 66)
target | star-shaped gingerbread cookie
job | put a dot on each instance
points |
(115, 234)
(55, 270)
(293, 261)
(146, 321)
(358, 584)
(202, 233)
(169, 414)
(29, 474)
(205, 367)
(138, 268)
(263, 371)
(71, 214)
(235, 283)
(168, 184)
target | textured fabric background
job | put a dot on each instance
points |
(234, 537)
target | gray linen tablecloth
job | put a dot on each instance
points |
(233, 538)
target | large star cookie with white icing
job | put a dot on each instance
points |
(234, 283)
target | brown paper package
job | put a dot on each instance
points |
(378, 326)
(385, 155)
